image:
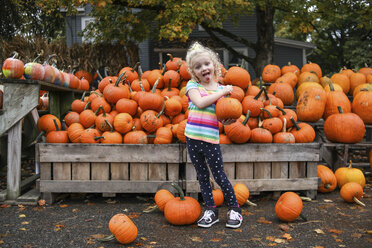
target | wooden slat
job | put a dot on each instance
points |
(61, 171)
(119, 171)
(297, 169)
(80, 171)
(244, 170)
(262, 170)
(100, 171)
(149, 153)
(99, 186)
(139, 171)
(279, 170)
(229, 170)
(157, 172)
(270, 152)
(260, 185)
(45, 171)
(14, 161)
(173, 171)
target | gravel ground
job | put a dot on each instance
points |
(78, 220)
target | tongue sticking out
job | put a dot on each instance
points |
(207, 77)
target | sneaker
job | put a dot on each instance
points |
(234, 220)
(209, 218)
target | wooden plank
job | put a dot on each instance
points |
(45, 171)
(61, 171)
(229, 169)
(14, 161)
(138, 171)
(260, 185)
(31, 196)
(21, 96)
(157, 172)
(270, 152)
(173, 171)
(119, 171)
(244, 170)
(149, 153)
(190, 172)
(100, 171)
(297, 169)
(80, 171)
(99, 186)
(311, 169)
(262, 170)
(279, 170)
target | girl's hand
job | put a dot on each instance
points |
(228, 89)
(227, 121)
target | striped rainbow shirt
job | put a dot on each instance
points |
(202, 124)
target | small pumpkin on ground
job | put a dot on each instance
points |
(328, 179)
(122, 228)
(289, 207)
(349, 174)
(352, 192)
(182, 210)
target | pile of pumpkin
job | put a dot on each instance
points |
(15, 68)
(151, 107)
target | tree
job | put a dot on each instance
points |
(341, 31)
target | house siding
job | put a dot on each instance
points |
(283, 55)
(73, 27)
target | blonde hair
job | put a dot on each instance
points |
(195, 49)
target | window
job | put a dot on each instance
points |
(231, 60)
(84, 22)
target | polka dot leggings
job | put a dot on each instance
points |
(201, 153)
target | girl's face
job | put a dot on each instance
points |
(203, 67)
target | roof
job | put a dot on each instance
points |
(294, 43)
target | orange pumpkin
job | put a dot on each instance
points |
(237, 76)
(312, 67)
(228, 108)
(362, 105)
(352, 192)
(162, 196)
(328, 179)
(270, 73)
(123, 228)
(288, 207)
(241, 193)
(182, 210)
(311, 104)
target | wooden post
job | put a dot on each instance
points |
(14, 161)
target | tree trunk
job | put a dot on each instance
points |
(265, 37)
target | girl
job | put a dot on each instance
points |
(202, 134)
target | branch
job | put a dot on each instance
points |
(228, 47)
(127, 4)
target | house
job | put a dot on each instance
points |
(152, 53)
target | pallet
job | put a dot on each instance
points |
(106, 168)
(267, 167)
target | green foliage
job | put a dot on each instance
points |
(341, 31)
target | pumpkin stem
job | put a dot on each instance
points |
(169, 85)
(83, 96)
(119, 79)
(140, 72)
(284, 125)
(99, 75)
(303, 217)
(141, 85)
(109, 124)
(340, 109)
(295, 124)
(150, 209)
(155, 85)
(261, 83)
(246, 118)
(281, 110)
(180, 191)
(357, 201)
(164, 68)
(162, 109)
(98, 137)
(135, 66)
(107, 238)
(38, 56)
(251, 203)
(49, 58)
(37, 138)
(327, 185)
(268, 112)
(258, 94)
(331, 87)
(55, 124)
(105, 71)
(100, 107)
(86, 106)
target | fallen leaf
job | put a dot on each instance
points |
(216, 240)
(90, 242)
(339, 240)
(369, 240)
(134, 215)
(335, 231)
(369, 231)
(327, 200)
(238, 230)
(196, 239)
(246, 213)
(139, 244)
(279, 241)
(263, 221)
(98, 236)
(284, 227)
(287, 236)
(90, 203)
(220, 232)
(22, 216)
(319, 231)
(4, 206)
(23, 229)
(318, 246)
(356, 235)
(88, 220)
(63, 206)
(75, 210)
(109, 201)
(41, 202)
(153, 243)
(270, 238)
(144, 238)
(25, 223)
(271, 244)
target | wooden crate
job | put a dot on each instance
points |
(106, 168)
(267, 167)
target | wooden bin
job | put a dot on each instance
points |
(267, 167)
(106, 168)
